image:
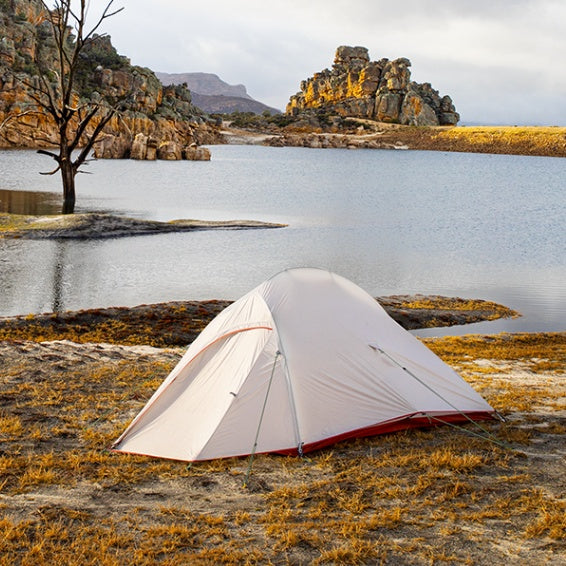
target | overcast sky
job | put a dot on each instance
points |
(501, 61)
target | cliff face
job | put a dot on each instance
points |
(169, 124)
(380, 90)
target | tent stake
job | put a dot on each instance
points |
(252, 454)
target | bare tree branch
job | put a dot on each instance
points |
(49, 102)
(50, 172)
(82, 126)
(105, 15)
(74, 120)
(50, 153)
(92, 139)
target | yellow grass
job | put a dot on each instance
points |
(437, 496)
(534, 140)
(451, 303)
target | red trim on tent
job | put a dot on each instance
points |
(226, 335)
(413, 420)
(401, 423)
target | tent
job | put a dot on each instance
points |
(304, 360)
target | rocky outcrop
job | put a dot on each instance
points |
(153, 121)
(379, 90)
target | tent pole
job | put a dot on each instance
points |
(252, 454)
(488, 435)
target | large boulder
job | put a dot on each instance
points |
(416, 112)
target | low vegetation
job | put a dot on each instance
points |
(434, 496)
(517, 140)
(97, 226)
(178, 323)
(523, 140)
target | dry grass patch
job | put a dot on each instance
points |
(419, 497)
(525, 140)
(179, 323)
(457, 304)
(548, 346)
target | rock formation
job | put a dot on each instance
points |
(380, 90)
(154, 121)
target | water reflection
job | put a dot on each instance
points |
(59, 267)
(29, 202)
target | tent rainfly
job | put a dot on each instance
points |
(302, 361)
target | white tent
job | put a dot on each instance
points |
(305, 359)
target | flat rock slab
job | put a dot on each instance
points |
(97, 226)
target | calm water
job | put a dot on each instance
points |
(485, 226)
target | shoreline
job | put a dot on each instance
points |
(177, 323)
(544, 141)
(91, 225)
(432, 494)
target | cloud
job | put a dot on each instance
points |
(514, 48)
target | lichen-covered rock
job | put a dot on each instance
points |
(139, 147)
(381, 90)
(388, 107)
(415, 111)
(160, 114)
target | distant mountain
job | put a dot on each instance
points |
(211, 94)
(204, 83)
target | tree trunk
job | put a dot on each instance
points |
(68, 177)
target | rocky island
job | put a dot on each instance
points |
(360, 103)
(380, 90)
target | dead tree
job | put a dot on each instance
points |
(78, 123)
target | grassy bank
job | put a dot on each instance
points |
(515, 140)
(420, 497)
(364, 133)
(520, 140)
(179, 323)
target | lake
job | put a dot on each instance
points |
(394, 222)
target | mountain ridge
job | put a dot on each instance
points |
(204, 83)
(213, 95)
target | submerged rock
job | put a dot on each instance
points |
(96, 226)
